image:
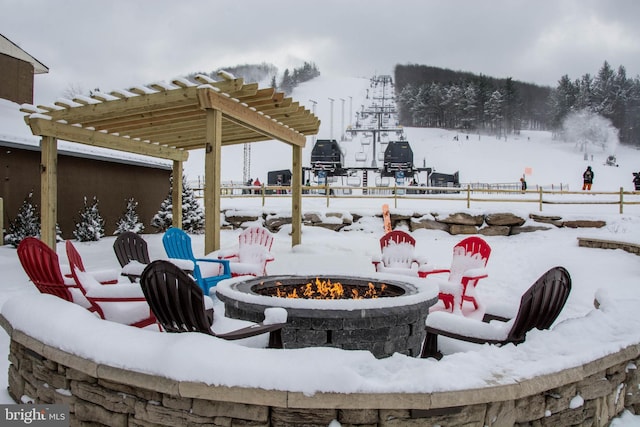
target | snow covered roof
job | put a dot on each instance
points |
(9, 48)
(166, 119)
(14, 134)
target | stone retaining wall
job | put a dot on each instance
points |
(494, 224)
(588, 395)
(588, 242)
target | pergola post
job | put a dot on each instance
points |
(176, 195)
(212, 183)
(296, 196)
(48, 190)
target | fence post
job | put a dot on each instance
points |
(262, 191)
(326, 191)
(395, 195)
(621, 200)
(468, 196)
(540, 198)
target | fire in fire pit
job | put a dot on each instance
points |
(383, 314)
(320, 288)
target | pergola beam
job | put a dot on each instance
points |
(165, 120)
(234, 111)
(44, 127)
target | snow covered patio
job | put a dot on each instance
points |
(559, 376)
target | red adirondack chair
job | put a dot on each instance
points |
(106, 277)
(122, 303)
(470, 258)
(397, 254)
(252, 254)
(42, 266)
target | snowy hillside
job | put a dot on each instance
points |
(478, 158)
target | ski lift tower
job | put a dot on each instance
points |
(379, 109)
(246, 165)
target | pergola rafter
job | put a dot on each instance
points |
(166, 120)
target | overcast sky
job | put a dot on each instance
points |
(122, 43)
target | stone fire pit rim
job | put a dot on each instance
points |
(421, 291)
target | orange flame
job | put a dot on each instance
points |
(326, 289)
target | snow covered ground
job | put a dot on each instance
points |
(515, 263)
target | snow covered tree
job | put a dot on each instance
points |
(493, 110)
(129, 221)
(192, 212)
(25, 224)
(90, 228)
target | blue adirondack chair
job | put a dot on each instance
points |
(206, 271)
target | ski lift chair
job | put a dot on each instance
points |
(207, 271)
(539, 307)
(397, 256)
(470, 258)
(180, 306)
(252, 254)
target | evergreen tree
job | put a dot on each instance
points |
(493, 109)
(90, 228)
(287, 83)
(129, 221)
(163, 219)
(192, 212)
(58, 233)
(562, 100)
(25, 224)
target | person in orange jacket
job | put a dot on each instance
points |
(587, 177)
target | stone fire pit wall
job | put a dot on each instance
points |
(99, 394)
(383, 326)
(382, 331)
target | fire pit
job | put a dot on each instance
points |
(383, 314)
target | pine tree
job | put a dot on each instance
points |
(25, 224)
(129, 221)
(163, 219)
(90, 228)
(192, 213)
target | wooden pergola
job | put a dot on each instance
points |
(166, 120)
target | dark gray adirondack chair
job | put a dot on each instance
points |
(178, 304)
(540, 306)
(130, 246)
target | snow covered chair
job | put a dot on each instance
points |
(132, 253)
(106, 277)
(470, 258)
(397, 254)
(122, 302)
(42, 266)
(207, 271)
(180, 306)
(539, 307)
(252, 254)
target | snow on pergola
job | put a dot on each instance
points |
(166, 120)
